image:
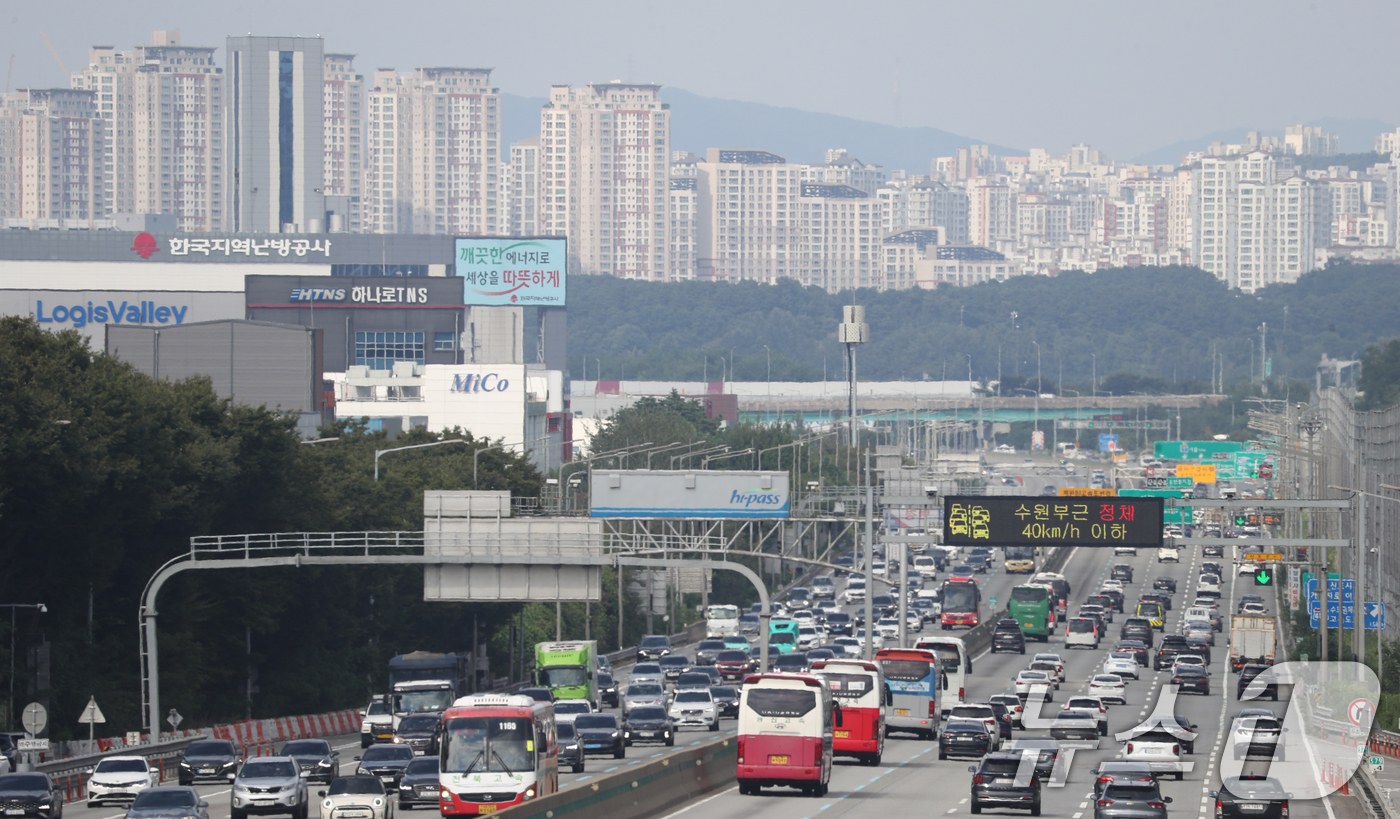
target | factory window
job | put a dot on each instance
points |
(379, 351)
(444, 341)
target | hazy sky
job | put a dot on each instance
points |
(1126, 77)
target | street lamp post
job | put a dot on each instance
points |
(12, 606)
(1037, 366)
(684, 455)
(381, 452)
(705, 462)
(1094, 384)
(674, 445)
(999, 346)
(768, 354)
(499, 446)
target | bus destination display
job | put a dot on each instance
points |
(1002, 520)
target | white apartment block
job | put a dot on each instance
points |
(1042, 219)
(344, 134)
(1181, 231)
(919, 202)
(1135, 224)
(839, 240)
(51, 166)
(606, 151)
(522, 187)
(434, 162)
(991, 212)
(747, 226)
(1309, 140)
(685, 219)
(163, 147)
(843, 169)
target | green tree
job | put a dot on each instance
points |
(1380, 376)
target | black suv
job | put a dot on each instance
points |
(1166, 584)
(1114, 595)
(1244, 795)
(1172, 645)
(995, 784)
(1122, 572)
(570, 748)
(1247, 675)
(607, 688)
(31, 794)
(653, 647)
(208, 759)
(1136, 628)
(1007, 636)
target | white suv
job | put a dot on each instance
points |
(1167, 553)
(695, 708)
(1158, 747)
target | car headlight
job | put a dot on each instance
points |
(184, 764)
(446, 794)
(530, 792)
(328, 804)
(614, 735)
(325, 763)
(571, 747)
(627, 734)
(398, 740)
(378, 802)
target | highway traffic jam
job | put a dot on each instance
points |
(1111, 687)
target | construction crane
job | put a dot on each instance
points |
(57, 58)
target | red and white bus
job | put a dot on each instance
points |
(858, 686)
(915, 683)
(497, 751)
(785, 733)
(960, 601)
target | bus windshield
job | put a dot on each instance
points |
(1030, 594)
(960, 597)
(949, 658)
(722, 613)
(488, 744)
(780, 702)
(1020, 552)
(848, 686)
(905, 670)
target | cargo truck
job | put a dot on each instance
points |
(426, 682)
(568, 669)
(1251, 641)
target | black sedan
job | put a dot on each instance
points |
(30, 794)
(315, 758)
(964, 737)
(163, 803)
(607, 689)
(1259, 690)
(1252, 796)
(1166, 584)
(386, 762)
(600, 734)
(420, 784)
(648, 723)
(1191, 678)
(420, 732)
(208, 759)
(726, 700)
(570, 749)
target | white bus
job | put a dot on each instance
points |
(954, 665)
(722, 621)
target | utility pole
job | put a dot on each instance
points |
(852, 331)
(868, 650)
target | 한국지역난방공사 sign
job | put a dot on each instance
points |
(511, 272)
(1002, 520)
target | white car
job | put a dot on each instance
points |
(1094, 706)
(1125, 550)
(1200, 627)
(1254, 608)
(1115, 585)
(1028, 682)
(376, 723)
(1190, 659)
(1109, 687)
(120, 779)
(1208, 583)
(647, 673)
(566, 710)
(855, 591)
(1248, 567)
(1251, 736)
(887, 628)
(1059, 662)
(825, 607)
(1049, 668)
(1168, 554)
(876, 640)
(879, 566)
(695, 708)
(849, 646)
(808, 638)
(1121, 663)
(913, 620)
(804, 617)
(356, 796)
(926, 567)
(1157, 747)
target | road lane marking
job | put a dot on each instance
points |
(701, 802)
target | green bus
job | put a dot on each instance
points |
(1031, 607)
(782, 634)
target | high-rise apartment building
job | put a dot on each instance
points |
(920, 202)
(343, 167)
(276, 127)
(991, 212)
(747, 226)
(51, 143)
(435, 162)
(842, 169)
(839, 237)
(1310, 140)
(163, 148)
(523, 187)
(606, 186)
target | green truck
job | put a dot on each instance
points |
(568, 669)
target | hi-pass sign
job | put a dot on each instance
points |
(979, 520)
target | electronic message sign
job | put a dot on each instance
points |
(1008, 520)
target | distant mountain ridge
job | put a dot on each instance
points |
(700, 122)
(1355, 136)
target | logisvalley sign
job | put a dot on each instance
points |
(111, 312)
(688, 494)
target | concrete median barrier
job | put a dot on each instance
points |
(642, 790)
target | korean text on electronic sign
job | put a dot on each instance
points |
(511, 271)
(1000, 520)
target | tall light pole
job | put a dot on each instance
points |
(768, 355)
(382, 452)
(1037, 366)
(12, 606)
(999, 369)
(1094, 384)
(1016, 336)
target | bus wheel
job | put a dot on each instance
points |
(823, 788)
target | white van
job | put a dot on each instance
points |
(926, 567)
(1081, 633)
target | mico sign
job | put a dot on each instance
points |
(490, 382)
(140, 312)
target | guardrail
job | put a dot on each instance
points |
(71, 774)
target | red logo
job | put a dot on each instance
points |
(144, 245)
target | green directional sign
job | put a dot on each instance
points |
(1263, 577)
(1196, 450)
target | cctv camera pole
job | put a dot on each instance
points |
(869, 648)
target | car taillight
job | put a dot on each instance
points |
(741, 752)
(977, 780)
(932, 708)
(1283, 808)
(960, 695)
(1130, 749)
(1176, 749)
(1156, 804)
(1103, 803)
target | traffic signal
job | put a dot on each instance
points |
(1263, 577)
(1239, 520)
